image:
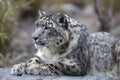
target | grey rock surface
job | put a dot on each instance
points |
(5, 75)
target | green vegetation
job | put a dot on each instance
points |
(1, 56)
(8, 16)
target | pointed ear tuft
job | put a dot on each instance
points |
(41, 13)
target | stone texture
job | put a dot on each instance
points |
(5, 75)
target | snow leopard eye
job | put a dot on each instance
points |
(38, 24)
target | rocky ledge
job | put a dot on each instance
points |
(5, 75)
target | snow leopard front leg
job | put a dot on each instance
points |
(33, 66)
(64, 67)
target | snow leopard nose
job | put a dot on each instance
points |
(35, 37)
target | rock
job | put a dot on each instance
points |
(5, 75)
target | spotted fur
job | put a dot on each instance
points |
(65, 47)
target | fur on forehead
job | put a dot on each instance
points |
(52, 15)
(59, 18)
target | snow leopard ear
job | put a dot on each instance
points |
(63, 21)
(41, 13)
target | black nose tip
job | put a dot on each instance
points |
(35, 38)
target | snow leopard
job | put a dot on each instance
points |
(66, 47)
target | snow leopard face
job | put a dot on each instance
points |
(51, 29)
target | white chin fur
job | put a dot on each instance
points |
(37, 46)
(44, 54)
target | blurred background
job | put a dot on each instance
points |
(17, 19)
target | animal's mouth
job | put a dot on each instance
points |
(40, 43)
